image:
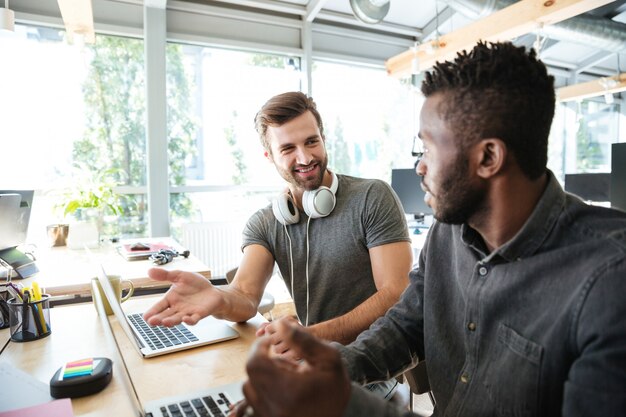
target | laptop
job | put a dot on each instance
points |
(153, 341)
(210, 402)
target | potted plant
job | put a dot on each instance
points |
(87, 203)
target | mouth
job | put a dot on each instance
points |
(305, 170)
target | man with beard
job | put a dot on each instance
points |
(341, 243)
(517, 304)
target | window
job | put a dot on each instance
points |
(369, 119)
(226, 175)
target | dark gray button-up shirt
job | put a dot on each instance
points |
(535, 328)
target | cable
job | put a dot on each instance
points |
(290, 260)
(306, 322)
(164, 256)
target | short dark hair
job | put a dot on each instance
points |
(498, 90)
(282, 108)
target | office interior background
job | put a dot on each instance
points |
(161, 106)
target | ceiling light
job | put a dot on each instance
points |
(7, 18)
(78, 19)
(370, 11)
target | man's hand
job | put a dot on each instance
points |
(278, 339)
(317, 386)
(190, 298)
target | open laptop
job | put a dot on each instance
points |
(210, 402)
(153, 341)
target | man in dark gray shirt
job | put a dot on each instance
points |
(518, 302)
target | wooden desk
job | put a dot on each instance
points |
(67, 272)
(77, 332)
(190, 370)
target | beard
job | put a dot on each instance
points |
(459, 198)
(310, 184)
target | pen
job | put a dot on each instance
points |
(36, 291)
(25, 313)
(37, 297)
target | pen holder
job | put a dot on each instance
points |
(29, 321)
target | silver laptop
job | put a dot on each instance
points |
(210, 402)
(153, 341)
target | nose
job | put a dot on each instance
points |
(303, 156)
(420, 167)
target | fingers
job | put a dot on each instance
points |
(261, 330)
(158, 307)
(158, 274)
(306, 346)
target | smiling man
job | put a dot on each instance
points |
(517, 304)
(341, 243)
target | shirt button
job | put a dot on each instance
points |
(482, 271)
(471, 325)
(465, 378)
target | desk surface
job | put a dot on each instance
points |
(64, 271)
(77, 332)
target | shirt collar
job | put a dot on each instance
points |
(534, 232)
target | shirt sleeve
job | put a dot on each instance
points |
(394, 342)
(383, 216)
(596, 384)
(363, 403)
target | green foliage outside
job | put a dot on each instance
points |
(236, 152)
(588, 151)
(337, 149)
(115, 135)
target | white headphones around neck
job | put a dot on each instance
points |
(316, 203)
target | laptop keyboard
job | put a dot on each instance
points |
(204, 407)
(158, 337)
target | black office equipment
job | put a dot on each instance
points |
(406, 184)
(618, 176)
(85, 384)
(589, 186)
(15, 207)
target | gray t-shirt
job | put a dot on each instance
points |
(367, 214)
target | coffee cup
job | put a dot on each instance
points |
(116, 282)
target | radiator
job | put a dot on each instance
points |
(217, 244)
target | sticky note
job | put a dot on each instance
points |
(78, 368)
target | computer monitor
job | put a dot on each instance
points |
(589, 186)
(15, 208)
(406, 184)
(618, 176)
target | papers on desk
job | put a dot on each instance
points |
(19, 390)
(56, 408)
(130, 252)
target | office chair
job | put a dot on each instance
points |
(267, 300)
(417, 379)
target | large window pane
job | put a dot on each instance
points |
(224, 158)
(369, 119)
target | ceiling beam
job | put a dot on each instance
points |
(593, 60)
(78, 20)
(313, 8)
(599, 87)
(505, 24)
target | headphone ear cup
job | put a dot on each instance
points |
(318, 203)
(284, 210)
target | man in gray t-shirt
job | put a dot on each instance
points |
(366, 215)
(341, 243)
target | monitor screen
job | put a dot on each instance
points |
(15, 207)
(590, 186)
(406, 184)
(618, 176)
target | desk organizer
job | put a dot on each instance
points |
(29, 321)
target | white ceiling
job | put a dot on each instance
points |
(418, 20)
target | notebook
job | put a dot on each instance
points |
(153, 341)
(213, 402)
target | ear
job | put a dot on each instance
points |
(268, 156)
(491, 156)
